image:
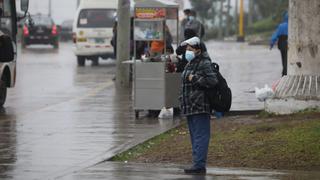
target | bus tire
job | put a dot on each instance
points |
(3, 92)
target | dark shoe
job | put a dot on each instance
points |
(197, 171)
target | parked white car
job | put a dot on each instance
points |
(92, 30)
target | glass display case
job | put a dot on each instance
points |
(148, 30)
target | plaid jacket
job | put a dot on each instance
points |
(192, 95)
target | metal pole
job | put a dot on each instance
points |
(241, 25)
(123, 43)
(50, 8)
(220, 34)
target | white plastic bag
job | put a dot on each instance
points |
(264, 93)
(166, 113)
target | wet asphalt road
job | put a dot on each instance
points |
(60, 120)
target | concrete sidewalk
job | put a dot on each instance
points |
(133, 171)
(246, 67)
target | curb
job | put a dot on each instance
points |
(243, 112)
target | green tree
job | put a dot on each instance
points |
(275, 8)
(268, 13)
(205, 9)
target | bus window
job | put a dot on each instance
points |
(7, 8)
(6, 17)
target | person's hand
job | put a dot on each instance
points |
(190, 77)
(271, 46)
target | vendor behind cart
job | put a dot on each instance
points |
(157, 47)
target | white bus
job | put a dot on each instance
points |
(8, 47)
(92, 30)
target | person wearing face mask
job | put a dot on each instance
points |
(181, 50)
(195, 25)
(184, 22)
(196, 78)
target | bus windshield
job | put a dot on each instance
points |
(96, 18)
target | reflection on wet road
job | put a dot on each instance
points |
(61, 118)
(139, 171)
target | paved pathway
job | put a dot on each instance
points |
(123, 171)
(246, 67)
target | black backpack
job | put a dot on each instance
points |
(220, 97)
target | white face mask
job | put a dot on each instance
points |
(191, 18)
(189, 55)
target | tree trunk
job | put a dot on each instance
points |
(228, 19)
(220, 35)
(304, 37)
(236, 17)
(301, 88)
(250, 14)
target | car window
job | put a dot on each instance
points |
(42, 20)
(96, 18)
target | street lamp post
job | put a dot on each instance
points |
(50, 8)
(241, 23)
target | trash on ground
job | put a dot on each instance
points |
(166, 113)
(264, 93)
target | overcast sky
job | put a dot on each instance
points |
(61, 9)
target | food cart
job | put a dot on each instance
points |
(155, 86)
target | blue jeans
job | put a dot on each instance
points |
(199, 128)
(218, 114)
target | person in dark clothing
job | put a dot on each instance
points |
(114, 38)
(181, 50)
(184, 21)
(196, 77)
(195, 24)
(281, 35)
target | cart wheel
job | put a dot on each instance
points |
(176, 111)
(153, 113)
(137, 114)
